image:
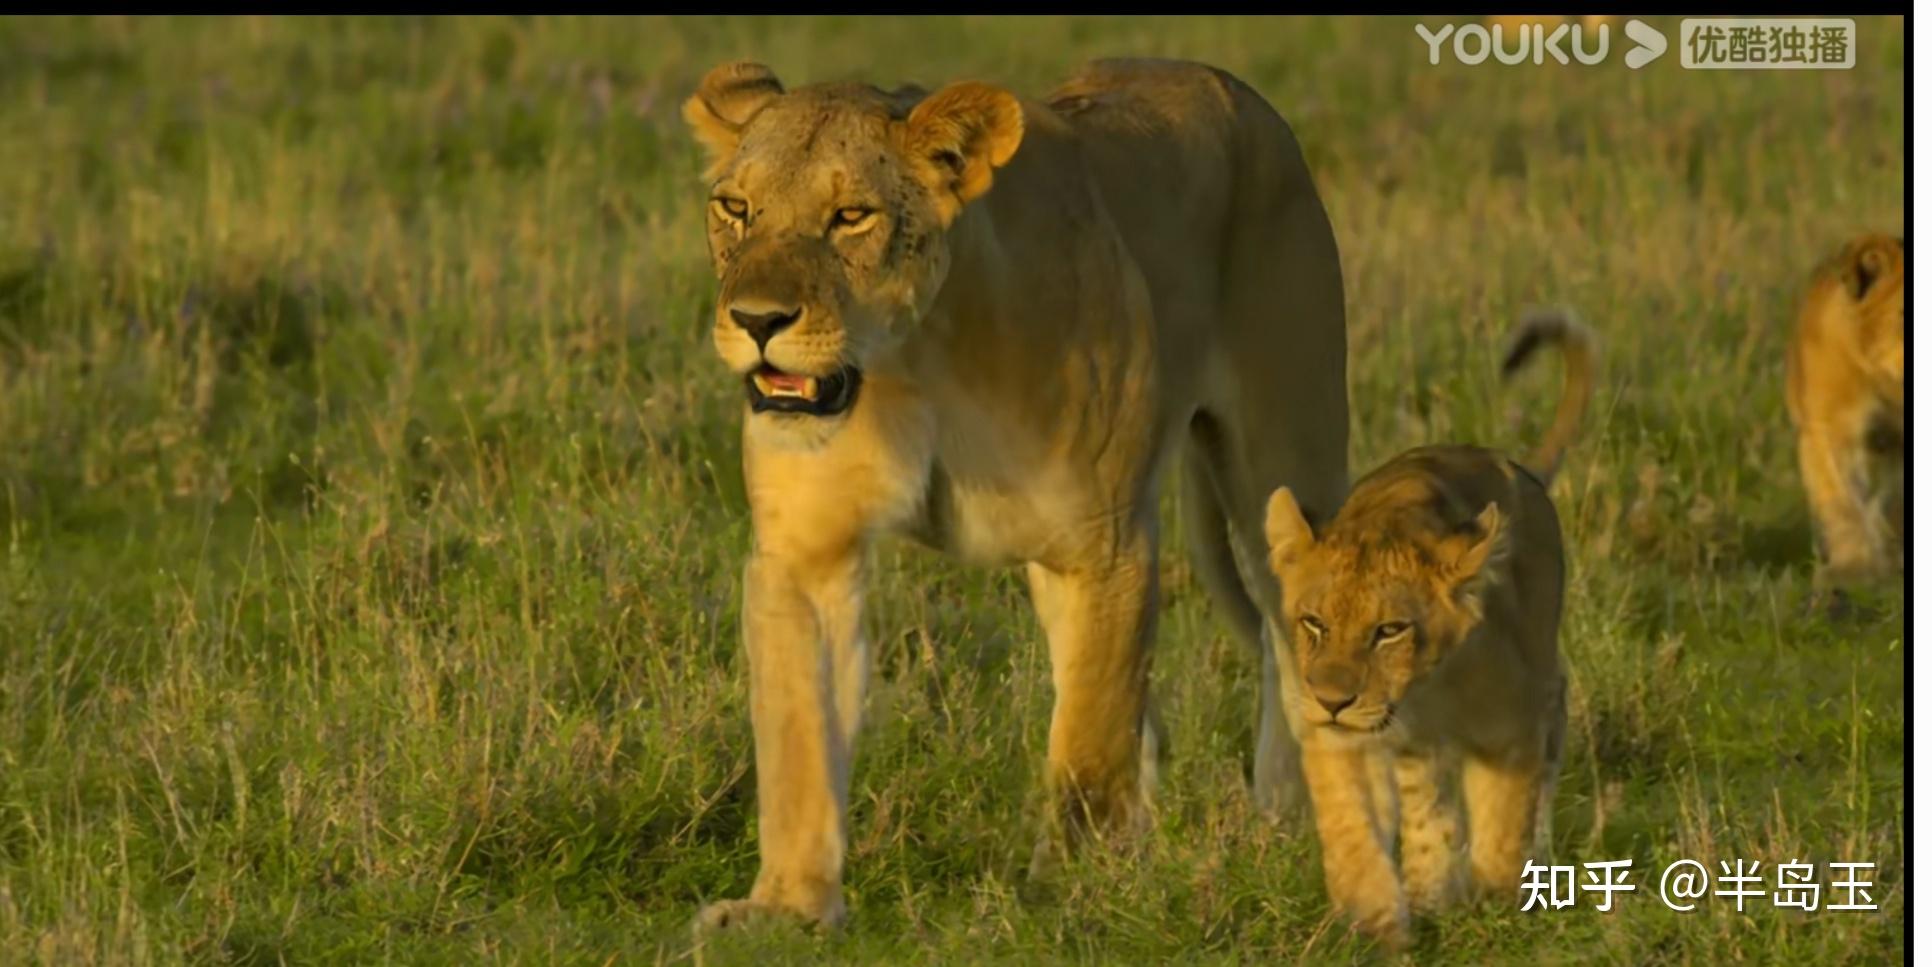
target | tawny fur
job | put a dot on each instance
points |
(1425, 661)
(1845, 393)
(1046, 300)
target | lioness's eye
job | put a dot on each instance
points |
(848, 217)
(733, 209)
(1313, 625)
(1390, 629)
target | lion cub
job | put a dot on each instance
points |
(1423, 620)
(1845, 390)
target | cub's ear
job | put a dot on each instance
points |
(959, 135)
(1475, 554)
(727, 98)
(1289, 535)
(1872, 259)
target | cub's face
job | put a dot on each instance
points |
(1361, 638)
(1369, 619)
(827, 221)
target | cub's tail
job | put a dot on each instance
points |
(1559, 328)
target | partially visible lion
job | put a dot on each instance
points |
(986, 323)
(1845, 392)
(1426, 681)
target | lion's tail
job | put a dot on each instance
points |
(1560, 328)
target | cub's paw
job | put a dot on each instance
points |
(1390, 932)
(1841, 604)
(1832, 603)
(1379, 920)
(1435, 892)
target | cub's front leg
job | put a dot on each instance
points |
(1434, 867)
(1357, 833)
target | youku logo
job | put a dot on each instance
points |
(1474, 44)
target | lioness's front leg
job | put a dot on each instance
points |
(1099, 625)
(808, 671)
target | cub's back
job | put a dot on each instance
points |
(1446, 486)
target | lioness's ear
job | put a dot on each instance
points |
(961, 133)
(1475, 554)
(1288, 532)
(729, 96)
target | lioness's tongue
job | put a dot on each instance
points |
(788, 383)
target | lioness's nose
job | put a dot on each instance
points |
(1335, 705)
(761, 322)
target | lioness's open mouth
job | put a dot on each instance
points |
(772, 390)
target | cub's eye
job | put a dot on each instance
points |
(1313, 625)
(850, 217)
(730, 209)
(1390, 629)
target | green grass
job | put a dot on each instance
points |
(371, 520)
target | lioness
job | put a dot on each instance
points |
(997, 366)
(1845, 391)
(1425, 617)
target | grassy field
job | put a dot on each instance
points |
(371, 519)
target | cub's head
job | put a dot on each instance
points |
(1373, 607)
(827, 220)
(1872, 271)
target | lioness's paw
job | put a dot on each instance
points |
(1281, 803)
(1049, 857)
(729, 914)
(734, 914)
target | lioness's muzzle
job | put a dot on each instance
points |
(828, 395)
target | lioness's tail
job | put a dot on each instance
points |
(1557, 327)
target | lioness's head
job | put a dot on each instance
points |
(1373, 606)
(1872, 270)
(828, 217)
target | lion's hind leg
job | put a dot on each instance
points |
(1276, 775)
(1543, 841)
(1850, 527)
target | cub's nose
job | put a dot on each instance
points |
(761, 322)
(1335, 705)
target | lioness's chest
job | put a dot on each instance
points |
(984, 522)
